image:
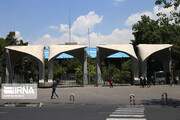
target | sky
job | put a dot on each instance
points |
(46, 22)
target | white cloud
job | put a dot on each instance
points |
(53, 27)
(46, 36)
(118, 1)
(116, 37)
(47, 40)
(64, 27)
(134, 18)
(79, 33)
(18, 35)
(165, 10)
(82, 23)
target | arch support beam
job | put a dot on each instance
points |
(161, 51)
(85, 80)
(98, 69)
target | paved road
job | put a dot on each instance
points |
(106, 95)
(99, 103)
(91, 112)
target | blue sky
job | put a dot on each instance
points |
(46, 21)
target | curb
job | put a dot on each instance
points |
(22, 104)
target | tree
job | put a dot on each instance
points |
(2, 56)
(165, 30)
(146, 31)
(12, 40)
(174, 15)
(171, 28)
(8, 41)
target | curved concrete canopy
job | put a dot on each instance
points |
(77, 51)
(73, 50)
(126, 48)
(15, 53)
(145, 50)
(36, 51)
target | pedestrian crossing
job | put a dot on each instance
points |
(128, 112)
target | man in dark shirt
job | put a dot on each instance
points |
(54, 84)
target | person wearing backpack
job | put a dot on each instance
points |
(54, 85)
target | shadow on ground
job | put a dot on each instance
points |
(170, 102)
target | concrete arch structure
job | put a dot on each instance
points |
(15, 54)
(162, 53)
(78, 51)
(105, 50)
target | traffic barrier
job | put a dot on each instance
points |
(72, 97)
(164, 97)
(132, 99)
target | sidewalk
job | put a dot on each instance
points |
(104, 95)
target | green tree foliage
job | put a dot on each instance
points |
(9, 41)
(174, 14)
(146, 31)
(165, 30)
(67, 67)
(2, 55)
(171, 28)
(122, 76)
(28, 68)
(12, 40)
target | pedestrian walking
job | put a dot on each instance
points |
(144, 81)
(153, 80)
(54, 85)
(148, 82)
(141, 82)
(177, 80)
(111, 82)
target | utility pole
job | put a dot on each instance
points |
(69, 24)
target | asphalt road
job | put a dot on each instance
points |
(100, 103)
(91, 112)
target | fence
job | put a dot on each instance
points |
(69, 80)
(16, 78)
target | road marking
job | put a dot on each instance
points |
(127, 116)
(128, 112)
(3, 112)
(131, 113)
(126, 119)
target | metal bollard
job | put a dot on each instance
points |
(164, 96)
(132, 99)
(72, 97)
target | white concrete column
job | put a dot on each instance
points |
(85, 80)
(98, 68)
(144, 68)
(8, 66)
(50, 70)
(41, 71)
(135, 70)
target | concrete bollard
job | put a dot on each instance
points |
(132, 99)
(72, 97)
(164, 97)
